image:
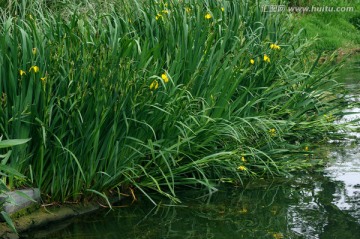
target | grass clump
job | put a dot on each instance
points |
(157, 95)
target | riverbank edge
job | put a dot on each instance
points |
(40, 216)
(341, 53)
(44, 215)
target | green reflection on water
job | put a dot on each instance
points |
(302, 208)
(350, 72)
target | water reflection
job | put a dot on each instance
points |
(305, 207)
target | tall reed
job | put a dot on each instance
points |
(157, 95)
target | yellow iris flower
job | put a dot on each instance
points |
(35, 69)
(21, 72)
(158, 16)
(274, 47)
(266, 58)
(242, 168)
(154, 85)
(164, 78)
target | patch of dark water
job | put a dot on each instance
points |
(310, 206)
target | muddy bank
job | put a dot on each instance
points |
(43, 216)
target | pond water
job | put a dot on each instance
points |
(321, 204)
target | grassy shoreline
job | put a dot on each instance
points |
(158, 95)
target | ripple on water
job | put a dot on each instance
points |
(344, 168)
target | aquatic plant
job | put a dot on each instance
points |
(155, 95)
(8, 174)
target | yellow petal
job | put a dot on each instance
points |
(158, 16)
(154, 85)
(266, 58)
(21, 72)
(34, 68)
(242, 168)
(165, 78)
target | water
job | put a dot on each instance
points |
(322, 204)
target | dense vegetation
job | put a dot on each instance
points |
(137, 95)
